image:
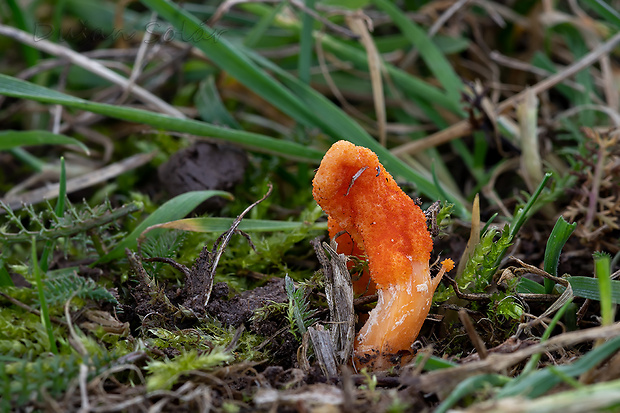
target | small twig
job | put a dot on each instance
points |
(593, 195)
(331, 84)
(431, 217)
(412, 55)
(537, 271)
(527, 67)
(354, 178)
(248, 239)
(366, 299)
(489, 297)
(358, 22)
(83, 380)
(138, 269)
(235, 340)
(466, 296)
(139, 62)
(473, 334)
(222, 242)
(57, 110)
(182, 268)
(348, 390)
(75, 340)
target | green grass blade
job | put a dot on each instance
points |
(10, 139)
(220, 224)
(469, 386)
(598, 397)
(425, 95)
(59, 211)
(605, 11)
(304, 104)
(541, 381)
(255, 34)
(223, 54)
(562, 230)
(305, 44)
(519, 219)
(533, 362)
(31, 55)
(341, 125)
(45, 314)
(5, 277)
(432, 56)
(175, 208)
(527, 286)
(10, 86)
(28, 159)
(210, 106)
(524, 213)
(433, 363)
(602, 271)
(588, 287)
(62, 190)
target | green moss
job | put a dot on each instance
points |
(164, 374)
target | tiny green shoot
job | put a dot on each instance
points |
(45, 314)
(559, 235)
(602, 270)
(59, 211)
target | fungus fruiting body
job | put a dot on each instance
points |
(361, 198)
(363, 283)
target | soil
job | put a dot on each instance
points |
(204, 166)
(239, 308)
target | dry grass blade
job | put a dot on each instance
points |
(474, 236)
(597, 397)
(473, 334)
(443, 381)
(220, 246)
(531, 164)
(75, 184)
(92, 66)
(463, 127)
(339, 292)
(323, 350)
(359, 25)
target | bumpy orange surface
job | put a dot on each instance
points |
(360, 197)
(377, 214)
(362, 284)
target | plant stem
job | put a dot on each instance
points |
(45, 314)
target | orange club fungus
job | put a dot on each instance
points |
(361, 197)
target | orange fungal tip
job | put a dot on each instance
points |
(447, 264)
(385, 225)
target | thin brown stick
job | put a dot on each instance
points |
(473, 334)
(535, 270)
